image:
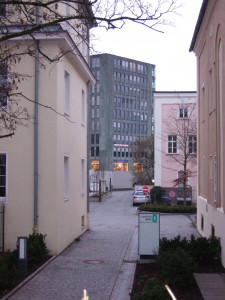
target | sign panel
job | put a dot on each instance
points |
(145, 189)
(149, 234)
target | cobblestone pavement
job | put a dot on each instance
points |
(103, 261)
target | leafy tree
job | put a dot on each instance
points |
(25, 24)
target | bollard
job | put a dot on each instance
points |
(85, 296)
(22, 259)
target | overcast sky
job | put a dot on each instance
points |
(175, 65)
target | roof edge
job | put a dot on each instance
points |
(198, 24)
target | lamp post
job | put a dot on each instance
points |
(22, 259)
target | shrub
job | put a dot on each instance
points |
(37, 250)
(157, 192)
(167, 209)
(152, 291)
(200, 249)
(205, 249)
(166, 245)
(177, 267)
(8, 271)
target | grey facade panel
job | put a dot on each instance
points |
(121, 103)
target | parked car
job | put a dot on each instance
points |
(139, 197)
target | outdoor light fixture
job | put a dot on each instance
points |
(22, 259)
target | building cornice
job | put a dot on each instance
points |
(62, 38)
(198, 40)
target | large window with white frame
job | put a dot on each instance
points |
(172, 144)
(66, 177)
(3, 176)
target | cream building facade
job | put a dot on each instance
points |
(208, 45)
(45, 163)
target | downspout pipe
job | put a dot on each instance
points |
(36, 100)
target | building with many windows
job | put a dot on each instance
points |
(43, 182)
(208, 46)
(120, 110)
(176, 141)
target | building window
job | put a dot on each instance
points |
(66, 177)
(212, 230)
(83, 108)
(172, 144)
(114, 152)
(3, 84)
(82, 176)
(3, 9)
(215, 178)
(192, 144)
(202, 223)
(97, 138)
(183, 112)
(203, 177)
(120, 166)
(67, 93)
(97, 151)
(182, 179)
(92, 138)
(92, 151)
(95, 62)
(3, 176)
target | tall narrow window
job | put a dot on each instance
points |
(192, 144)
(82, 176)
(66, 177)
(203, 176)
(83, 108)
(172, 144)
(67, 93)
(3, 84)
(215, 178)
(3, 176)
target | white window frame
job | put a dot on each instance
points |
(173, 143)
(67, 92)
(4, 198)
(192, 140)
(66, 177)
(183, 112)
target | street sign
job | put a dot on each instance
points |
(172, 194)
(145, 189)
(149, 234)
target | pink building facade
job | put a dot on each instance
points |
(175, 127)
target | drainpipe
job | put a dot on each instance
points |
(36, 96)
